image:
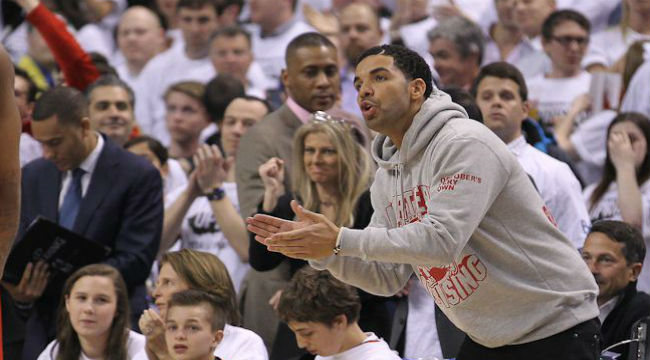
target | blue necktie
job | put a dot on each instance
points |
(72, 200)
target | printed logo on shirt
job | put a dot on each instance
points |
(454, 283)
(448, 183)
(411, 206)
(203, 223)
(549, 216)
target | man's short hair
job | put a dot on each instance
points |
(194, 297)
(231, 32)
(267, 105)
(407, 61)
(316, 296)
(219, 92)
(114, 81)
(68, 104)
(33, 89)
(310, 39)
(463, 33)
(218, 5)
(154, 145)
(466, 100)
(501, 70)
(622, 232)
(560, 16)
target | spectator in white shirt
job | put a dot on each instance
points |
(274, 26)
(608, 47)
(140, 37)
(198, 20)
(501, 95)
(360, 30)
(231, 53)
(565, 38)
(457, 46)
(530, 15)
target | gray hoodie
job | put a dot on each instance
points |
(454, 206)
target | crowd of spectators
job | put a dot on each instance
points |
(155, 127)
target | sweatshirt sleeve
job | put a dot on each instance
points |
(383, 279)
(463, 177)
(76, 65)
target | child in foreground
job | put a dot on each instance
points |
(194, 325)
(323, 313)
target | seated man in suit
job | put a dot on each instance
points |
(614, 252)
(92, 186)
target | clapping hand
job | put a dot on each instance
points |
(211, 169)
(311, 237)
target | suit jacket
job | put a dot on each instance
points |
(271, 137)
(122, 209)
(618, 324)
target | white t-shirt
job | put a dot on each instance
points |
(529, 60)
(373, 348)
(607, 209)
(638, 92)
(29, 149)
(590, 142)
(558, 187)
(200, 231)
(553, 97)
(176, 177)
(269, 50)
(421, 330)
(240, 344)
(135, 346)
(607, 47)
(597, 11)
(164, 70)
(415, 38)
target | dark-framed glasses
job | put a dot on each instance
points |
(566, 41)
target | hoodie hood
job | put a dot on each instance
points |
(434, 113)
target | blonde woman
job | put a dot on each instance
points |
(331, 175)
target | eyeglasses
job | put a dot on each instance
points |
(567, 40)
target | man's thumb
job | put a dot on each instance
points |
(303, 214)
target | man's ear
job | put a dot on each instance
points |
(636, 269)
(417, 88)
(525, 107)
(284, 76)
(340, 321)
(218, 336)
(85, 124)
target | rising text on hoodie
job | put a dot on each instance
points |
(454, 206)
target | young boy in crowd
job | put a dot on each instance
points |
(323, 313)
(194, 325)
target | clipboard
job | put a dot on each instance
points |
(62, 249)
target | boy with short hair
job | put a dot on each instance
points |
(194, 325)
(323, 313)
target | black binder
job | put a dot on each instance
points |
(62, 249)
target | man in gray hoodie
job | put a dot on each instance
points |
(453, 205)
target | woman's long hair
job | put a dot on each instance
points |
(204, 271)
(609, 172)
(68, 341)
(353, 168)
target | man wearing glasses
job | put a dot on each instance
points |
(565, 36)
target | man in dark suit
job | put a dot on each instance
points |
(614, 252)
(88, 184)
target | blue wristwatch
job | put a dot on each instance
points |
(217, 194)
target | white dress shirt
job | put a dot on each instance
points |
(88, 165)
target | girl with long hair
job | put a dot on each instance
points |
(197, 270)
(623, 192)
(94, 318)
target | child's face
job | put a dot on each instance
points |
(318, 338)
(188, 333)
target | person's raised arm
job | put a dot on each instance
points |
(629, 194)
(9, 163)
(76, 65)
